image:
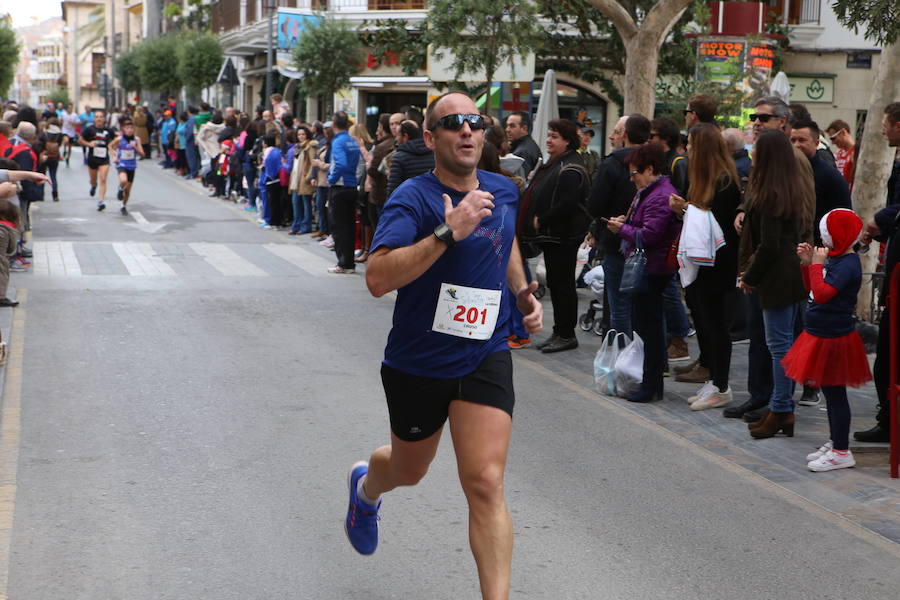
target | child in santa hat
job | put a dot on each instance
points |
(829, 354)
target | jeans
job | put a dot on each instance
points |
(52, 166)
(342, 204)
(677, 323)
(192, 158)
(619, 302)
(302, 204)
(779, 324)
(250, 172)
(759, 361)
(322, 210)
(650, 325)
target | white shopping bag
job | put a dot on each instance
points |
(605, 361)
(629, 368)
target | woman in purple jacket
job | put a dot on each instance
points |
(650, 215)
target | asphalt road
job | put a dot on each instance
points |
(191, 395)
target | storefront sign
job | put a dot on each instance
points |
(811, 88)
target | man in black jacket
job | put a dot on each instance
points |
(412, 158)
(885, 228)
(518, 132)
(611, 194)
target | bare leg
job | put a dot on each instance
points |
(92, 177)
(126, 187)
(481, 441)
(400, 463)
(102, 171)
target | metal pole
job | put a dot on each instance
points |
(269, 54)
(111, 13)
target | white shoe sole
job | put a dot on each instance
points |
(703, 405)
(824, 468)
(680, 359)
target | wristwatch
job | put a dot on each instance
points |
(445, 234)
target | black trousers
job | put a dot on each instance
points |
(560, 260)
(759, 361)
(882, 370)
(648, 317)
(275, 198)
(838, 416)
(342, 219)
(712, 311)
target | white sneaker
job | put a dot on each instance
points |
(825, 449)
(715, 399)
(706, 388)
(326, 241)
(831, 461)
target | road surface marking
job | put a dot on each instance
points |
(10, 437)
(143, 224)
(226, 261)
(311, 263)
(140, 259)
(55, 258)
(784, 493)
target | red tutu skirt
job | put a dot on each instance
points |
(820, 362)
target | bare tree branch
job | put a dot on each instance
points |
(620, 17)
(664, 15)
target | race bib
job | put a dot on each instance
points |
(128, 154)
(466, 312)
(100, 152)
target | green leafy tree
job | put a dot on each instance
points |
(9, 56)
(157, 64)
(60, 96)
(128, 70)
(200, 57)
(328, 54)
(481, 36)
(391, 39)
(880, 22)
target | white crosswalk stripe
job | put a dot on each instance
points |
(55, 258)
(226, 261)
(141, 260)
(304, 259)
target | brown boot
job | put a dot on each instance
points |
(754, 424)
(773, 423)
(678, 350)
(698, 374)
(682, 369)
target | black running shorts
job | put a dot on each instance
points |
(128, 173)
(418, 405)
(96, 163)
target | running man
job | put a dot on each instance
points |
(96, 139)
(70, 125)
(127, 148)
(446, 243)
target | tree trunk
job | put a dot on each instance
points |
(875, 160)
(641, 65)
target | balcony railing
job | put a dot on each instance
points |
(795, 12)
(226, 14)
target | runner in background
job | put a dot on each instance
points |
(127, 147)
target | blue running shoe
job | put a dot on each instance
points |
(93, 190)
(361, 524)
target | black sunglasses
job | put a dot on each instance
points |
(686, 111)
(763, 118)
(455, 122)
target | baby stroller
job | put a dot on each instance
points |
(593, 318)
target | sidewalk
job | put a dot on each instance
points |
(865, 495)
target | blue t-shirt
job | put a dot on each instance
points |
(835, 317)
(411, 214)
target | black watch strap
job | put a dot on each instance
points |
(445, 234)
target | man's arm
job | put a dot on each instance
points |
(391, 268)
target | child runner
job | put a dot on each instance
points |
(127, 148)
(829, 354)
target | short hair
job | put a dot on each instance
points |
(193, 110)
(567, 130)
(430, 116)
(647, 155)
(704, 107)
(9, 164)
(892, 111)
(217, 118)
(291, 136)
(340, 120)
(230, 121)
(384, 119)
(525, 118)
(637, 129)
(733, 138)
(6, 128)
(668, 130)
(779, 107)
(205, 107)
(276, 97)
(26, 129)
(287, 119)
(807, 124)
(125, 122)
(269, 139)
(9, 212)
(410, 129)
(837, 125)
(414, 114)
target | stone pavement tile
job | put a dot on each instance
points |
(184, 260)
(269, 262)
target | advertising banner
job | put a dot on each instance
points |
(288, 30)
(736, 61)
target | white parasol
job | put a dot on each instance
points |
(548, 109)
(781, 87)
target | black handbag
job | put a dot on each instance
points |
(634, 276)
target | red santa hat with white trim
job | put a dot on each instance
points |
(840, 229)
